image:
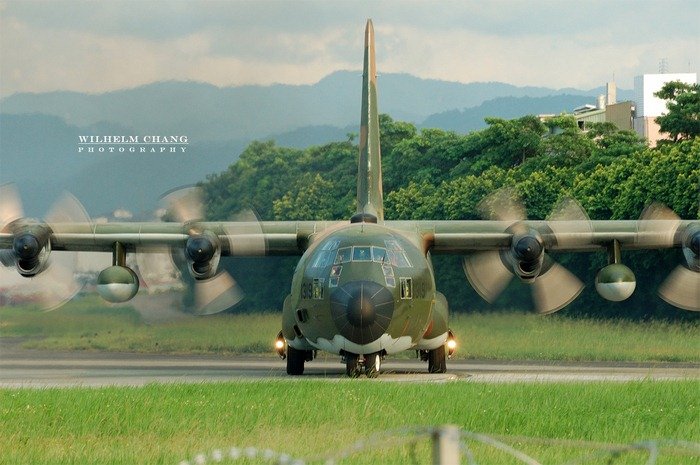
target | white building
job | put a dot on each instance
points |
(648, 106)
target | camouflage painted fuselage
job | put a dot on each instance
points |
(364, 288)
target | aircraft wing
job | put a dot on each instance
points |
(236, 238)
(161, 250)
(497, 251)
(464, 237)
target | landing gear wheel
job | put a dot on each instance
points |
(353, 368)
(372, 364)
(436, 360)
(295, 361)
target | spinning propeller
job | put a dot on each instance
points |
(214, 291)
(51, 276)
(553, 287)
(658, 226)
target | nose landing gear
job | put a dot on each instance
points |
(356, 364)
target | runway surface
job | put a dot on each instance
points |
(28, 368)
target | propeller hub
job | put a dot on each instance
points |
(694, 244)
(26, 246)
(528, 249)
(200, 249)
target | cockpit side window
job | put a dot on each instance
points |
(395, 254)
(323, 259)
(392, 244)
(398, 259)
(379, 255)
(343, 256)
(331, 244)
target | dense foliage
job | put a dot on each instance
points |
(682, 121)
(436, 174)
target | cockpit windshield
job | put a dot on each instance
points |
(390, 255)
(362, 253)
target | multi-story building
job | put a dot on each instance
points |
(649, 107)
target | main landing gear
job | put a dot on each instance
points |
(436, 358)
(355, 364)
(296, 359)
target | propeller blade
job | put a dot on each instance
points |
(487, 274)
(503, 204)
(10, 205)
(185, 203)
(682, 289)
(555, 288)
(570, 223)
(220, 292)
(68, 212)
(156, 266)
(245, 235)
(57, 284)
(216, 294)
(657, 226)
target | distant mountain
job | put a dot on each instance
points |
(472, 119)
(40, 154)
(206, 112)
(39, 132)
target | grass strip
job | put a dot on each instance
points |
(88, 324)
(165, 424)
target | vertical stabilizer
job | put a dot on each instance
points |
(369, 179)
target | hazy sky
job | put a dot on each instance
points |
(92, 46)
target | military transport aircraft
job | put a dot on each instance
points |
(363, 288)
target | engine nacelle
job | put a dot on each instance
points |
(526, 255)
(30, 250)
(203, 252)
(117, 284)
(691, 247)
(615, 282)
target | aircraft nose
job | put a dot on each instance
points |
(362, 310)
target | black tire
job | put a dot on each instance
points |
(372, 364)
(353, 368)
(437, 362)
(295, 361)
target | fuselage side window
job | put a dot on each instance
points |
(406, 288)
(317, 288)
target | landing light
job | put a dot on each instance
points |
(281, 346)
(451, 343)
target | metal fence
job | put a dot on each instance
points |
(451, 446)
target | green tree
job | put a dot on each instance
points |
(435, 174)
(504, 143)
(311, 198)
(683, 102)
